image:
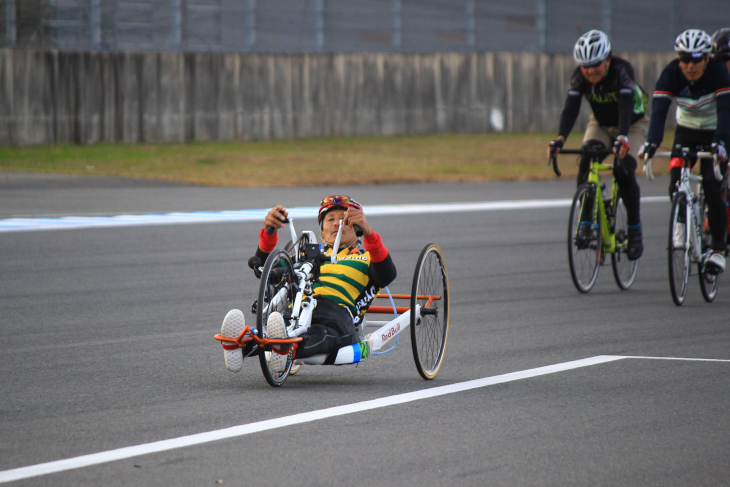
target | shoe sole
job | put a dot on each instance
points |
(276, 328)
(233, 325)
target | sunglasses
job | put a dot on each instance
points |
(690, 58)
(592, 65)
(337, 200)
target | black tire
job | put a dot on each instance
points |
(678, 254)
(584, 254)
(276, 280)
(624, 270)
(430, 332)
(709, 283)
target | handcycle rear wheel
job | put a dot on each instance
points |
(709, 283)
(276, 293)
(584, 249)
(679, 248)
(430, 331)
(624, 270)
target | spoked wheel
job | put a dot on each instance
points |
(678, 248)
(584, 239)
(708, 282)
(276, 293)
(624, 270)
(430, 331)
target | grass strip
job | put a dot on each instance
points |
(311, 162)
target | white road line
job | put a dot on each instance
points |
(247, 429)
(678, 358)
(75, 222)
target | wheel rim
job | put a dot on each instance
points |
(584, 254)
(624, 270)
(270, 288)
(678, 255)
(429, 334)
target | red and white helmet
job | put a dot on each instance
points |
(334, 202)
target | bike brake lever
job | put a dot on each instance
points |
(647, 168)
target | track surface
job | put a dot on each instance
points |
(106, 342)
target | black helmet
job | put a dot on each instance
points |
(721, 42)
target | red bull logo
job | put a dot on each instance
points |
(391, 333)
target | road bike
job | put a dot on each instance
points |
(689, 238)
(287, 277)
(598, 225)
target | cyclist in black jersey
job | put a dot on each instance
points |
(618, 104)
(721, 45)
(700, 85)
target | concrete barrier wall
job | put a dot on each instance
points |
(87, 97)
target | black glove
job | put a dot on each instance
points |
(556, 144)
(647, 150)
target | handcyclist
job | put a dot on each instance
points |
(618, 104)
(721, 45)
(344, 291)
(701, 86)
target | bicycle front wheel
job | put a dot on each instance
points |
(708, 282)
(584, 239)
(624, 270)
(276, 293)
(430, 292)
(678, 248)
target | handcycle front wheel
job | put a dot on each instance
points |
(276, 293)
(584, 239)
(624, 270)
(430, 330)
(678, 248)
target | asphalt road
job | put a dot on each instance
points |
(106, 339)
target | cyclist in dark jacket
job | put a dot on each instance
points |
(618, 104)
(701, 87)
(721, 45)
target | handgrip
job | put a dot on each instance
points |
(358, 230)
(271, 230)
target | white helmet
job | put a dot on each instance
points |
(693, 41)
(592, 47)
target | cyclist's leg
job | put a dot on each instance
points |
(594, 134)
(716, 214)
(331, 329)
(627, 183)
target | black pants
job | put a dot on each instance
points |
(716, 214)
(628, 187)
(332, 328)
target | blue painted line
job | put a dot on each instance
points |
(257, 215)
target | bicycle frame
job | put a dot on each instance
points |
(694, 202)
(606, 226)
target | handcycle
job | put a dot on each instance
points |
(598, 225)
(689, 239)
(287, 277)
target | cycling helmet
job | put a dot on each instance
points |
(330, 203)
(592, 47)
(693, 41)
(721, 42)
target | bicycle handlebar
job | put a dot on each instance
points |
(593, 153)
(686, 152)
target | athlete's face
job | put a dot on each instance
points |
(330, 225)
(595, 73)
(695, 69)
